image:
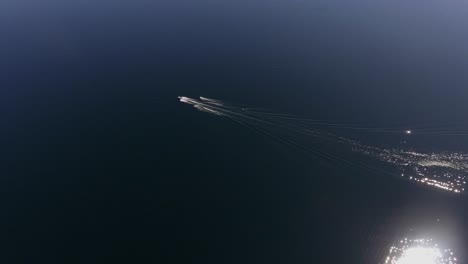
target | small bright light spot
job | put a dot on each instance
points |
(408, 132)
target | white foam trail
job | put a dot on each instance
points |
(184, 99)
(207, 110)
(209, 99)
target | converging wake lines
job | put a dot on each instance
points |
(446, 170)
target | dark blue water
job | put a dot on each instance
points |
(100, 162)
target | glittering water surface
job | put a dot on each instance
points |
(419, 251)
(446, 171)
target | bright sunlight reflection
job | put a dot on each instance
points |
(419, 251)
(420, 255)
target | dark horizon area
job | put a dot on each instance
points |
(100, 162)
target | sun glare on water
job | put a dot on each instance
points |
(420, 255)
(419, 251)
